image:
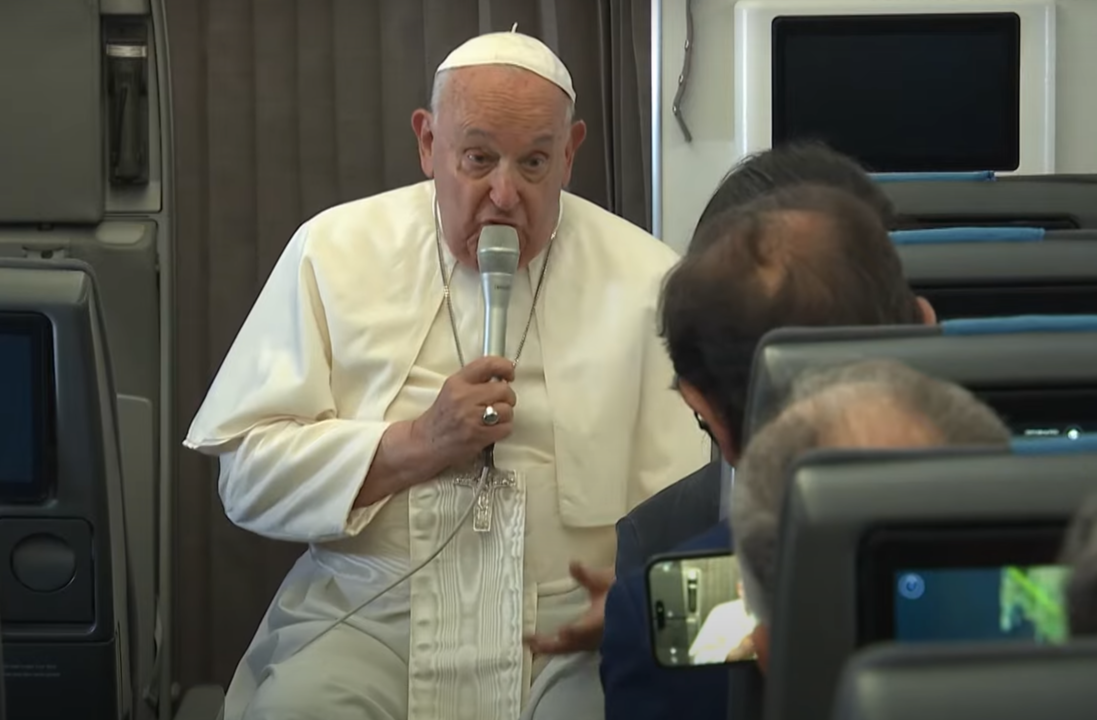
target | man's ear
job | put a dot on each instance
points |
(700, 405)
(422, 122)
(929, 315)
(575, 139)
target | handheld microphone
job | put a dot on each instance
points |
(497, 254)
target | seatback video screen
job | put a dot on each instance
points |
(981, 604)
(27, 444)
(961, 583)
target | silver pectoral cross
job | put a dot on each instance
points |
(497, 480)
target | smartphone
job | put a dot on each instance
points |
(697, 610)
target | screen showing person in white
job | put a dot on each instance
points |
(352, 411)
(726, 633)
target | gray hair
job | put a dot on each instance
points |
(1080, 553)
(438, 88)
(819, 403)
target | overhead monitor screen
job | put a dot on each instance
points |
(26, 407)
(962, 585)
(902, 93)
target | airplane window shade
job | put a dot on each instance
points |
(902, 93)
(26, 408)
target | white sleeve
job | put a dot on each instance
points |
(290, 468)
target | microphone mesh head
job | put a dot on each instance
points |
(497, 251)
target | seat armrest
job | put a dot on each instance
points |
(203, 702)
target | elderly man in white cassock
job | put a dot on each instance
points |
(352, 413)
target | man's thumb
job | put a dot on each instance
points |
(589, 578)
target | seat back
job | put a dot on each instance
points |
(960, 683)
(93, 183)
(843, 506)
(64, 583)
(999, 272)
(1038, 372)
(1054, 202)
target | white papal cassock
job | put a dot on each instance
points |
(350, 334)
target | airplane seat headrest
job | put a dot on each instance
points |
(1020, 324)
(52, 167)
(1000, 681)
(968, 235)
(977, 176)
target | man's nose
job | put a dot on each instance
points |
(504, 189)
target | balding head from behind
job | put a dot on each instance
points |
(806, 256)
(869, 405)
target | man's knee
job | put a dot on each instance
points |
(289, 696)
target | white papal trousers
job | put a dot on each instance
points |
(359, 670)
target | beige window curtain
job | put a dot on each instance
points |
(285, 107)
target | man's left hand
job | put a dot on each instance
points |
(585, 633)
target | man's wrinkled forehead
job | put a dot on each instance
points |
(505, 81)
(479, 134)
(486, 102)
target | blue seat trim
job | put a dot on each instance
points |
(980, 176)
(1021, 324)
(1059, 445)
(968, 234)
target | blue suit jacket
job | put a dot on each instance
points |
(636, 686)
(669, 518)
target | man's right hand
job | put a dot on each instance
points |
(453, 429)
(450, 432)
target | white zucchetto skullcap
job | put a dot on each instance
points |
(514, 49)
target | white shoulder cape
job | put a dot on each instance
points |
(296, 410)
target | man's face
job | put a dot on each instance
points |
(500, 149)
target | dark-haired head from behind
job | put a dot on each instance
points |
(797, 164)
(804, 256)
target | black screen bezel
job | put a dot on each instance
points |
(885, 551)
(1005, 160)
(1049, 405)
(942, 296)
(40, 330)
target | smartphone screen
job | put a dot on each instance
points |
(981, 604)
(697, 610)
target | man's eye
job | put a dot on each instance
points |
(477, 158)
